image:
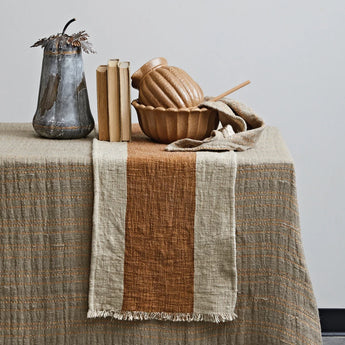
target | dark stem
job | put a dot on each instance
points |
(68, 23)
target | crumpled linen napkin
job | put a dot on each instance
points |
(241, 130)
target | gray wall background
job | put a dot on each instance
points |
(293, 51)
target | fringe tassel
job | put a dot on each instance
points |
(142, 315)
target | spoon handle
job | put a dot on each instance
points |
(217, 98)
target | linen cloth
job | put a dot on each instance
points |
(241, 129)
(46, 201)
(164, 242)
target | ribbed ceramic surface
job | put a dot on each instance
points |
(166, 86)
(168, 125)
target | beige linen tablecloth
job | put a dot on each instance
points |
(46, 204)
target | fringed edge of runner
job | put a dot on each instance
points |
(142, 315)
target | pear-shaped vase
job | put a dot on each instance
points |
(63, 110)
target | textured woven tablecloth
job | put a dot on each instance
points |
(46, 204)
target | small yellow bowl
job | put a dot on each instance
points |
(167, 125)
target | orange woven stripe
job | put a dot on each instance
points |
(159, 258)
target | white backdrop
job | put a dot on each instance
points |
(293, 51)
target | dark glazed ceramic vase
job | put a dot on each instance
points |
(63, 110)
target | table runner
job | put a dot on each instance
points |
(45, 256)
(163, 234)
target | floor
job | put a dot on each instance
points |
(333, 340)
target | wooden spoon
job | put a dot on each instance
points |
(217, 98)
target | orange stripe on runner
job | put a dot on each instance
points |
(159, 259)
